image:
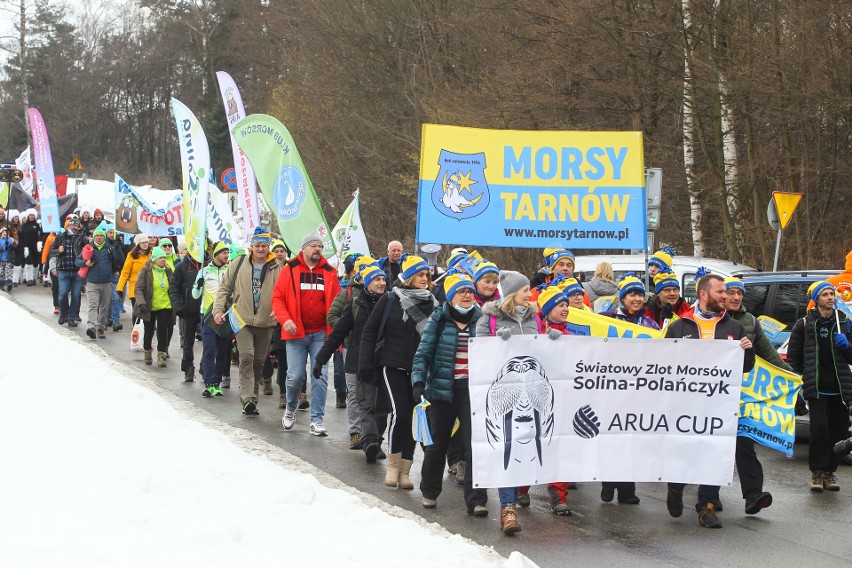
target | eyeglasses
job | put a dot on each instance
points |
(735, 292)
(465, 292)
(166, 246)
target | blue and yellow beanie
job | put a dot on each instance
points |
(260, 235)
(629, 284)
(551, 297)
(455, 282)
(666, 279)
(662, 258)
(552, 255)
(412, 265)
(370, 272)
(817, 288)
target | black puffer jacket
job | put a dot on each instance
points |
(400, 337)
(180, 288)
(354, 316)
(803, 356)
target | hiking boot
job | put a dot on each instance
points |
(288, 419)
(148, 359)
(561, 509)
(707, 517)
(61, 320)
(372, 450)
(282, 401)
(101, 334)
(674, 500)
(226, 382)
(117, 327)
(829, 481)
(72, 323)
(461, 468)
(161, 358)
(250, 408)
(267, 386)
(189, 376)
(509, 520)
(756, 501)
(217, 391)
(355, 441)
(479, 511)
(341, 400)
(91, 333)
(629, 499)
(429, 503)
(208, 392)
(523, 500)
(607, 493)
(304, 405)
(381, 455)
(317, 429)
(816, 482)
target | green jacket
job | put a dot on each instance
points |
(335, 312)
(435, 360)
(762, 346)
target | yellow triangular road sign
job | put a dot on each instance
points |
(75, 164)
(785, 204)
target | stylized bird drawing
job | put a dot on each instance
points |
(453, 188)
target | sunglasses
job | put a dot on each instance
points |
(165, 246)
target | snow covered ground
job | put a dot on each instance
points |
(104, 468)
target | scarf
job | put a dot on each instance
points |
(707, 315)
(408, 300)
(460, 317)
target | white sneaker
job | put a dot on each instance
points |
(317, 429)
(288, 419)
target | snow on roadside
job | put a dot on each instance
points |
(101, 471)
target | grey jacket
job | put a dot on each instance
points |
(529, 324)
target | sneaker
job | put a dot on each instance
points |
(56, 311)
(756, 501)
(355, 441)
(479, 511)
(674, 500)
(303, 402)
(288, 419)
(250, 408)
(317, 429)
(429, 503)
(117, 327)
(816, 482)
(217, 391)
(829, 481)
(707, 517)
(208, 392)
(523, 500)
(226, 382)
(372, 451)
(509, 520)
(461, 468)
(91, 333)
(561, 509)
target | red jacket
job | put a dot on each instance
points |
(286, 296)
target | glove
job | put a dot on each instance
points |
(554, 334)
(26, 251)
(419, 392)
(840, 341)
(199, 283)
(317, 371)
(121, 296)
(801, 406)
(39, 246)
(504, 333)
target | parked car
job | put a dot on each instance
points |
(684, 266)
(780, 295)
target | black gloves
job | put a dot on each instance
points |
(419, 391)
(317, 371)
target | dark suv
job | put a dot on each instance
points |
(780, 295)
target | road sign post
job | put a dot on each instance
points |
(779, 213)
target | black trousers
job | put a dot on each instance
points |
(162, 320)
(748, 467)
(829, 424)
(397, 384)
(373, 399)
(190, 324)
(442, 418)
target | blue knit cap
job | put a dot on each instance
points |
(816, 289)
(260, 235)
(412, 265)
(629, 284)
(665, 279)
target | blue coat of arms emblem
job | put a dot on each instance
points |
(461, 191)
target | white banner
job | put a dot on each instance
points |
(24, 163)
(221, 225)
(348, 235)
(603, 409)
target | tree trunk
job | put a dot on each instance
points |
(688, 138)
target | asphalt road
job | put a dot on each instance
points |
(800, 529)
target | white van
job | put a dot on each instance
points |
(684, 266)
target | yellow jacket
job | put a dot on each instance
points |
(130, 271)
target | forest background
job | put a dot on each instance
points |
(735, 98)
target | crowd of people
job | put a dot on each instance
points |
(397, 331)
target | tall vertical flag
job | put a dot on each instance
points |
(4, 194)
(246, 185)
(283, 180)
(25, 164)
(348, 235)
(195, 163)
(46, 183)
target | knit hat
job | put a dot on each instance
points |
(139, 239)
(278, 243)
(511, 282)
(236, 252)
(666, 279)
(98, 211)
(99, 231)
(629, 284)
(260, 235)
(13, 213)
(349, 261)
(310, 239)
(158, 253)
(363, 261)
(731, 283)
(370, 273)
(456, 282)
(552, 255)
(412, 265)
(570, 286)
(817, 288)
(551, 297)
(484, 268)
(456, 258)
(220, 246)
(662, 258)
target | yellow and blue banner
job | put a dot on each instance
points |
(235, 319)
(581, 322)
(532, 189)
(768, 406)
(195, 163)
(771, 327)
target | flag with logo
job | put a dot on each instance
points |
(283, 180)
(4, 194)
(768, 406)
(348, 235)
(46, 183)
(195, 164)
(24, 163)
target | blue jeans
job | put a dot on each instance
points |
(215, 356)
(69, 283)
(297, 359)
(115, 307)
(508, 495)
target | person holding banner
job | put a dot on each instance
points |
(440, 375)
(820, 351)
(386, 354)
(709, 321)
(514, 315)
(666, 303)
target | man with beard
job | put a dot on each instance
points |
(708, 321)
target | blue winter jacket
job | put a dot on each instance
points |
(435, 360)
(107, 262)
(7, 249)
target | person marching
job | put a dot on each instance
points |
(215, 355)
(188, 308)
(440, 375)
(68, 247)
(103, 264)
(153, 305)
(8, 246)
(135, 261)
(30, 243)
